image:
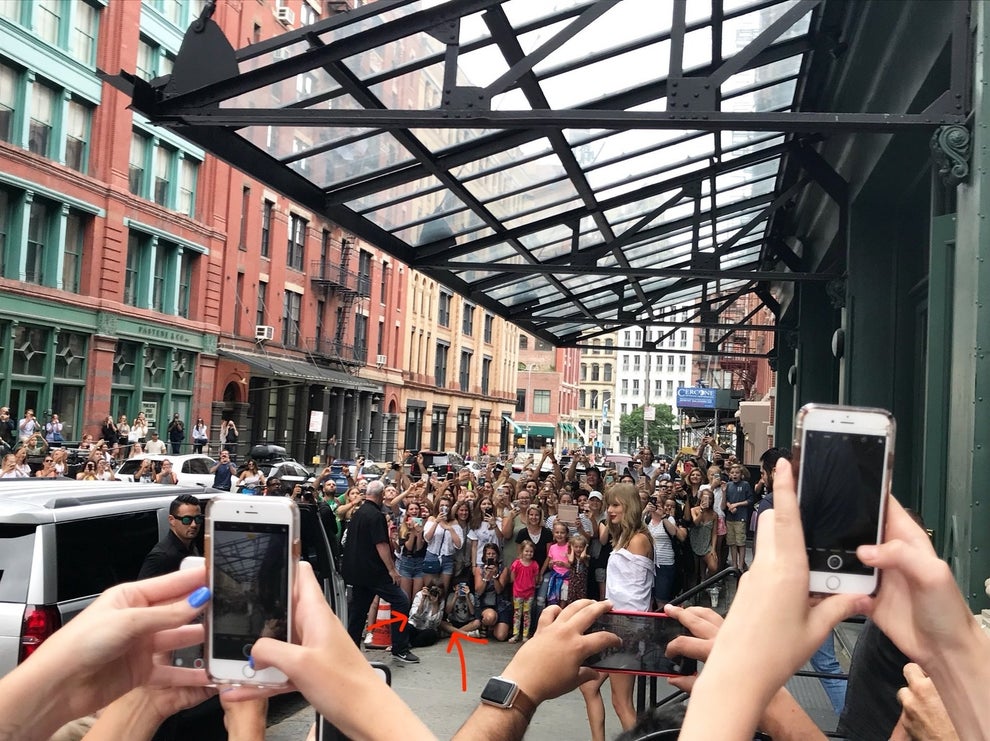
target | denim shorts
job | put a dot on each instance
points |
(434, 565)
(410, 567)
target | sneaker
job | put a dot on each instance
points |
(474, 634)
(368, 638)
(406, 657)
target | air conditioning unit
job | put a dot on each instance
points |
(285, 15)
(263, 332)
(770, 430)
(381, 360)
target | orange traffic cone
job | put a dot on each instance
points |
(381, 636)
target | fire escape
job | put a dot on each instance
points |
(332, 274)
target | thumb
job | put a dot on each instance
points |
(286, 657)
(833, 610)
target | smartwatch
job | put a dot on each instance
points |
(504, 693)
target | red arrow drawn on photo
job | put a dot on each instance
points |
(455, 640)
(397, 617)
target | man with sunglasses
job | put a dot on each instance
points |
(185, 522)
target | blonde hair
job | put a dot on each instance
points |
(622, 532)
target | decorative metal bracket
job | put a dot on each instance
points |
(951, 147)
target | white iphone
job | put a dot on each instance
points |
(845, 461)
(252, 547)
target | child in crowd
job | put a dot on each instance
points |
(524, 572)
(557, 563)
(577, 555)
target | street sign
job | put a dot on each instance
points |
(650, 413)
(694, 397)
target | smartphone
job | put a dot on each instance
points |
(252, 547)
(327, 731)
(190, 656)
(425, 478)
(845, 461)
(450, 475)
(645, 636)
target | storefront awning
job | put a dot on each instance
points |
(516, 429)
(270, 366)
(539, 430)
(567, 428)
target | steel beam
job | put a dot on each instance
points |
(557, 120)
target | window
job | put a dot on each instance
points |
(625, 385)
(39, 235)
(594, 399)
(158, 274)
(680, 384)
(440, 365)
(639, 338)
(489, 321)
(670, 388)
(467, 323)
(625, 362)
(656, 387)
(42, 115)
(595, 372)
(266, 227)
(290, 318)
(47, 17)
(443, 309)
(636, 362)
(4, 228)
(682, 363)
(307, 16)
(72, 254)
(465, 374)
(541, 401)
(635, 387)
(523, 342)
(486, 374)
(245, 206)
(607, 376)
(297, 241)
(584, 372)
(163, 174)
(360, 337)
(582, 399)
(683, 338)
(520, 400)
(623, 409)
(364, 273)
(186, 201)
(76, 135)
(259, 317)
(85, 27)
(8, 101)
(386, 272)
(670, 363)
(138, 163)
(608, 345)
(626, 338)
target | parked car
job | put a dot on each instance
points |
(274, 460)
(62, 544)
(192, 469)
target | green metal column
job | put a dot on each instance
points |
(817, 368)
(968, 472)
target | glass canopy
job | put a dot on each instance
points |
(573, 166)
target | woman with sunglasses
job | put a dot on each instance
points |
(47, 470)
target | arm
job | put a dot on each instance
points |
(138, 714)
(385, 554)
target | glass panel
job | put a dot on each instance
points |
(70, 355)
(4, 228)
(76, 135)
(11, 10)
(187, 186)
(46, 20)
(182, 370)
(8, 101)
(30, 350)
(163, 166)
(138, 160)
(42, 111)
(132, 274)
(352, 160)
(72, 257)
(38, 229)
(156, 366)
(185, 280)
(160, 267)
(146, 59)
(738, 32)
(124, 362)
(82, 44)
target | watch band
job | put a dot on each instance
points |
(524, 704)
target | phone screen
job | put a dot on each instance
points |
(645, 636)
(250, 586)
(840, 489)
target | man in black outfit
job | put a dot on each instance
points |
(185, 521)
(369, 569)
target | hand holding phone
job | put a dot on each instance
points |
(644, 637)
(846, 457)
(252, 548)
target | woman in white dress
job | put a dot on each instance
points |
(629, 586)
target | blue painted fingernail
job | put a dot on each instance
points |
(251, 661)
(200, 597)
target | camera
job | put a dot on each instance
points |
(490, 561)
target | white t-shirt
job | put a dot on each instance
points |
(443, 542)
(663, 549)
(155, 447)
(486, 534)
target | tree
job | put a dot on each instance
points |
(661, 431)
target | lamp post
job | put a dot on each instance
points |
(529, 399)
